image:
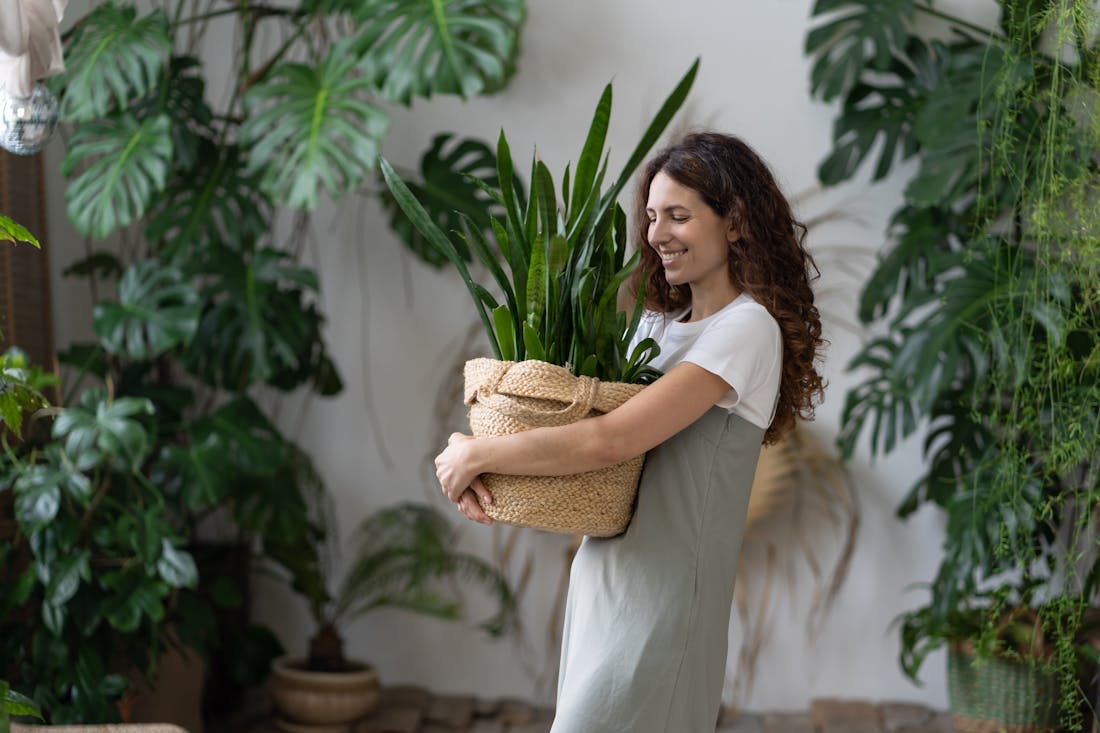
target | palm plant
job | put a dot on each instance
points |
(202, 309)
(988, 287)
(403, 557)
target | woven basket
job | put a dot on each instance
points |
(507, 397)
(996, 695)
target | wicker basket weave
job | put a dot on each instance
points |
(507, 397)
(999, 695)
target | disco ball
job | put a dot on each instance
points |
(27, 123)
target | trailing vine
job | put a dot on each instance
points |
(988, 289)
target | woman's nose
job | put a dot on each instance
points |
(658, 231)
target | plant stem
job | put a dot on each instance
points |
(955, 20)
(259, 11)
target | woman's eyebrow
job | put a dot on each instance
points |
(670, 207)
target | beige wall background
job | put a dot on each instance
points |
(399, 331)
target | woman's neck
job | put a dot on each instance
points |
(707, 302)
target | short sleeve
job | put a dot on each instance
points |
(745, 348)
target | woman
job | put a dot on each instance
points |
(728, 298)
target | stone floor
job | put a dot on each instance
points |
(414, 710)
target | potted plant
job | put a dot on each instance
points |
(162, 427)
(988, 289)
(403, 557)
(559, 338)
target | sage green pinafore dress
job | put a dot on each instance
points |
(647, 615)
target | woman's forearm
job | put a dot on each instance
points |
(581, 446)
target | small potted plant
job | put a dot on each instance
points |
(402, 557)
(559, 339)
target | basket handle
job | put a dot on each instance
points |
(584, 396)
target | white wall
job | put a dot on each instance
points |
(397, 330)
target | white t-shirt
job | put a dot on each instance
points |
(741, 343)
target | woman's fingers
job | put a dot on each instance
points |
(482, 492)
(467, 504)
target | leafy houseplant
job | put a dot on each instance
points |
(566, 263)
(989, 290)
(402, 557)
(202, 314)
(565, 267)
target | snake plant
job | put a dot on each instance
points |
(557, 266)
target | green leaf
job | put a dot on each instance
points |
(426, 47)
(532, 343)
(177, 567)
(157, 310)
(181, 95)
(100, 264)
(505, 333)
(856, 35)
(453, 181)
(15, 703)
(589, 161)
(104, 429)
(259, 324)
(113, 58)
(11, 231)
(215, 202)
(312, 127)
(124, 164)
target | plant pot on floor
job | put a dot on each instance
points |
(320, 702)
(998, 694)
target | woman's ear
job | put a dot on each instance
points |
(733, 232)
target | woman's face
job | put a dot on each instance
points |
(690, 238)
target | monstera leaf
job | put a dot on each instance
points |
(257, 324)
(425, 47)
(157, 310)
(215, 202)
(181, 96)
(113, 58)
(863, 32)
(313, 126)
(446, 188)
(127, 165)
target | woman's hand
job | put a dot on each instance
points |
(458, 477)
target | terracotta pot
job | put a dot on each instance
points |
(322, 698)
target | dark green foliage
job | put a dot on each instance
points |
(989, 290)
(201, 307)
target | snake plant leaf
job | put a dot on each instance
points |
(258, 324)
(312, 127)
(114, 57)
(124, 163)
(455, 175)
(157, 310)
(12, 231)
(505, 330)
(856, 34)
(215, 201)
(589, 161)
(417, 48)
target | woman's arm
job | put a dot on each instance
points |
(655, 414)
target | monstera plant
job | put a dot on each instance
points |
(204, 313)
(987, 303)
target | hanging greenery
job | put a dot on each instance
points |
(987, 296)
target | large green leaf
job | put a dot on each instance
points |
(124, 164)
(181, 96)
(313, 126)
(856, 34)
(453, 176)
(114, 57)
(214, 202)
(157, 310)
(425, 47)
(258, 324)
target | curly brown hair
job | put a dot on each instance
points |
(769, 261)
